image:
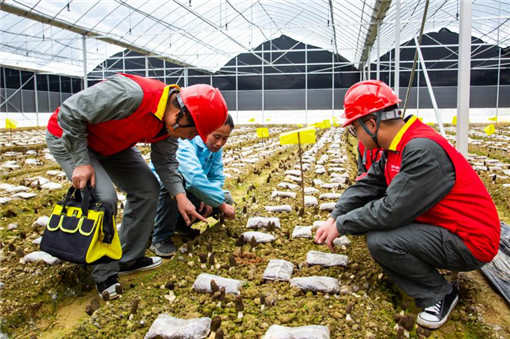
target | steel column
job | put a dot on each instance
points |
(464, 77)
(397, 48)
(84, 51)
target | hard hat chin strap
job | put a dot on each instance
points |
(380, 116)
(180, 115)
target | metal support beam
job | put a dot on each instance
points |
(464, 81)
(263, 85)
(378, 65)
(396, 86)
(237, 93)
(332, 85)
(306, 81)
(380, 9)
(146, 66)
(36, 99)
(84, 52)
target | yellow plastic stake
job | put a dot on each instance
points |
(10, 124)
(495, 119)
(326, 123)
(490, 129)
(262, 132)
(307, 136)
(251, 120)
(454, 120)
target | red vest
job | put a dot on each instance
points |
(369, 157)
(467, 210)
(111, 137)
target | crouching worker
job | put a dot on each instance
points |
(421, 206)
(201, 166)
(92, 137)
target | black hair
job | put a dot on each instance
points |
(229, 121)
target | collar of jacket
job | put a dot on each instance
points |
(167, 91)
(398, 138)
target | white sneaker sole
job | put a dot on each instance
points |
(155, 264)
(436, 324)
(112, 292)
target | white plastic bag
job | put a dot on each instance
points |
(327, 206)
(316, 283)
(168, 327)
(302, 332)
(302, 232)
(278, 269)
(203, 283)
(262, 222)
(326, 259)
(259, 237)
(281, 194)
(281, 208)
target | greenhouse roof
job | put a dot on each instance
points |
(48, 35)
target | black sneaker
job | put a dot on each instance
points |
(141, 264)
(434, 316)
(110, 288)
(165, 248)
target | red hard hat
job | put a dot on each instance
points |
(206, 106)
(366, 97)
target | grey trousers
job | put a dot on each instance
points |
(131, 174)
(410, 256)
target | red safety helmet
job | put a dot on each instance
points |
(206, 106)
(366, 97)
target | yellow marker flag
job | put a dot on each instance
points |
(493, 119)
(454, 120)
(262, 132)
(326, 123)
(317, 125)
(268, 119)
(306, 136)
(10, 124)
(251, 120)
(490, 129)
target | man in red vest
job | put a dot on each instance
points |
(93, 134)
(421, 206)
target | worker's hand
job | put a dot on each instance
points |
(205, 210)
(187, 209)
(228, 211)
(82, 174)
(327, 233)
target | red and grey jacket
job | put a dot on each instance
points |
(145, 124)
(467, 210)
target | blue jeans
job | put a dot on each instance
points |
(168, 219)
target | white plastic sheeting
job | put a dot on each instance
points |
(47, 35)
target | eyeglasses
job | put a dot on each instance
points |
(352, 130)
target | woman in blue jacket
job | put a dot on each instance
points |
(201, 166)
